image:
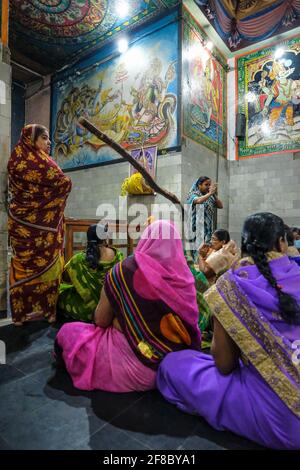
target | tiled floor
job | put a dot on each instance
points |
(40, 409)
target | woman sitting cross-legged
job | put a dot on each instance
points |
(147, 309)
(84, 274)
(251, 385)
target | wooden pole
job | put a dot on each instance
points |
(4, 22)
(124, 154)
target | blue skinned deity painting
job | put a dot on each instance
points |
(269, 96)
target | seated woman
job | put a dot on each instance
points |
(84, 274)
(217, 258)
(296, 235)
(292, 251)
(251, 385)
(201, 284)
(147, 309)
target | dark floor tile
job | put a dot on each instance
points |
(104, 405)
(108, 405)
(199, 443)
(205, 437)
(4, 445)
(156, 423)
(111, 438)
(18, 339)
(34, 360)
(9, 373)
(22, 396)
(49, 427)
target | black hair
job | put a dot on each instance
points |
(222, 235)
(93, 244)
(289, 235)
(38, 130)
(261, 234)
(201, 180)
(296, 229)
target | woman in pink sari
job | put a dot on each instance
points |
(147, 309)
(251, 385)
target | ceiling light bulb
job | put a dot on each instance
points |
(122, 9)
(122, 45)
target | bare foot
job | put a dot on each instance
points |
(18, 323)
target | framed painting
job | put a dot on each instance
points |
(268, 93)
(146, 156)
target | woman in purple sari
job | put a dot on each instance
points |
(251, 385)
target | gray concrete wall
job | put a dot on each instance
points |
(264, 184)
(95, 186)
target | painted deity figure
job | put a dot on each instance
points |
(281, 95)
(149, 94)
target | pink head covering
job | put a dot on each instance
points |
(163, 271)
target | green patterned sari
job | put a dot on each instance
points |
(202, 285)
(79, 297)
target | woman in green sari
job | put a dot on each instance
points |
(84, 275)
(201, 284)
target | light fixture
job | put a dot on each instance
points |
(278, 53)
(122, 9)
(122, 45)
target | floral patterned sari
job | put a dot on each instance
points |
(39, 191)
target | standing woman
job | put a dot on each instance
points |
(202, 199)
(39, 191)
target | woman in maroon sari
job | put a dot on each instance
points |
(38, 194)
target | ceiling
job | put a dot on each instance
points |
(241, 23)
(46, 35)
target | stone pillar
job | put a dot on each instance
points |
(5, 123)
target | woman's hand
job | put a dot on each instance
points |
(213, 189)
(203, 250)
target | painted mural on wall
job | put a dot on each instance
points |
(269, 95)
(204, 78)
(132, 98)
